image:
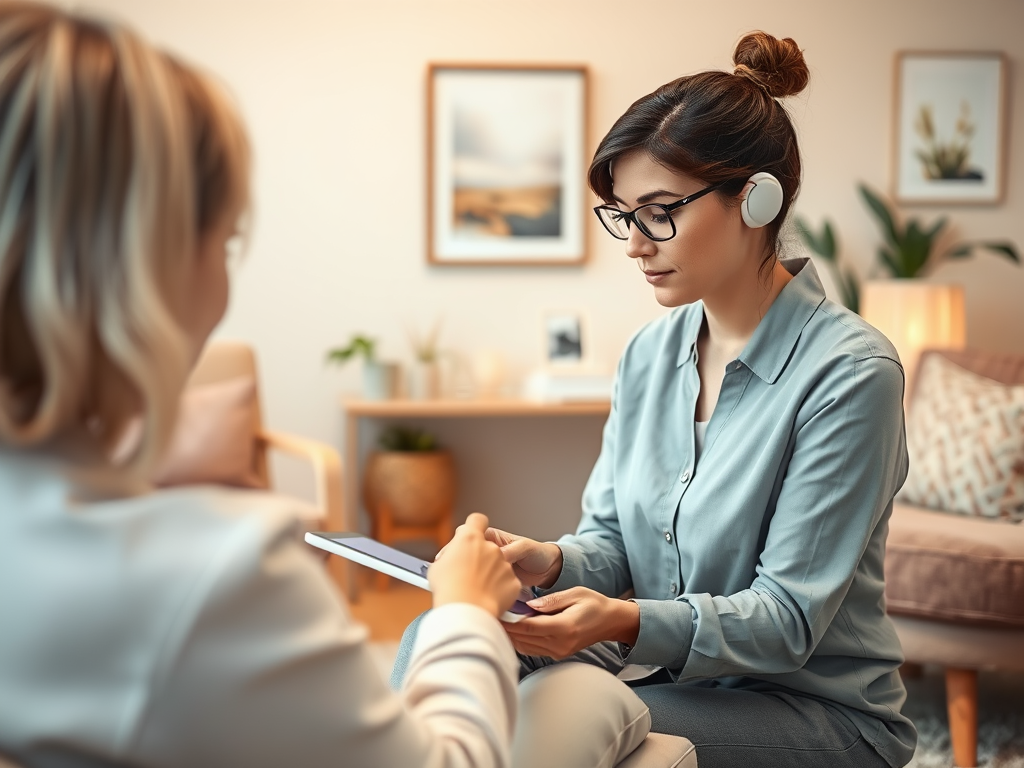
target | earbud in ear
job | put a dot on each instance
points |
(763, 200)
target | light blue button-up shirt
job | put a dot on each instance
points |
(761, 563)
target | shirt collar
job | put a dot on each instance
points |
(692, 322)
(775, 336)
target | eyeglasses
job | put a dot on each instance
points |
(653, 219)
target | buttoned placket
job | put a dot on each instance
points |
(691, 385)
(733, 384)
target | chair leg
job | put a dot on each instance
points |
(962, 703)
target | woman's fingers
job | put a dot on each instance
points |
(500, 537)
(517, 550)
(477, 522)
(473, 570)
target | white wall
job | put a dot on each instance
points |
(334, 95)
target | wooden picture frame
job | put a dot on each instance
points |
(506, 164)
(950, 132)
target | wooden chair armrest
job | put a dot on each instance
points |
(326, 471)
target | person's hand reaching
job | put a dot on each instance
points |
(473, 570)
(536, 563)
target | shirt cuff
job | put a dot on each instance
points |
(666, 633)
(572, 569)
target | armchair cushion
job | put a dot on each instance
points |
(965, 437)
(214, 440)
(951, 568)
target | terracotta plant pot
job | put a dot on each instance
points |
(417, 486)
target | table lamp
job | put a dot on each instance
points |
(915, 315)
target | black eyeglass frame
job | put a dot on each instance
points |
(630, 216)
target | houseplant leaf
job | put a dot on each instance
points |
(917, 247)
(890, 261)
(358, 345)
(964, 250)
(850, 291)
(823, 245)
(883, 214)
(1006, 249)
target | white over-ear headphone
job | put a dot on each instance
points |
(763, 200)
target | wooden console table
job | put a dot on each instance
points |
(356, 410)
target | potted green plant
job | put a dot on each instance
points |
(910, 247)
(380, 379)
(917, 314)
(409, 483)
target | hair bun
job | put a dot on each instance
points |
(776, 65)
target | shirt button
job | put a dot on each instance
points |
(668, 537)
(673, 588)
(737, 366)
(685, 476)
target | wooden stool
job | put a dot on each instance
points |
(386, 531)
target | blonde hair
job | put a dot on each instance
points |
(115, 161)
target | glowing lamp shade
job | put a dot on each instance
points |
(915, 315)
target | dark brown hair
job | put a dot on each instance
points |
(717, 126)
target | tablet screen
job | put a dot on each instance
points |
(387, 554)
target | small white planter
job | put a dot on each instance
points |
(380, 380)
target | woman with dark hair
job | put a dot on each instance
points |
(750, 460)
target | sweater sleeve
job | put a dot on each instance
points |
(265, 667)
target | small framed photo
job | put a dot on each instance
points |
(950, 133)
(506, 164)
(565, 342)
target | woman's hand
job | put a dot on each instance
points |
(537, 564)
(573, 620)
(473, 570)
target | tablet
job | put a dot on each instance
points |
(371, 553)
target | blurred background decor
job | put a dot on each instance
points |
(912, 250)
(425, 373)
(506, 148)
(917, 314)
(380, 378)
(409, 489)
(826, 245)
(950, 127)
(914, 313)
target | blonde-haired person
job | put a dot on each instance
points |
(750, 460)
(185, 627)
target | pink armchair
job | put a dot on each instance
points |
(220, 436)
(955, 584)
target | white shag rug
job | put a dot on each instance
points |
(1000, 720)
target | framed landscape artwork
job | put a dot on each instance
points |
(505, 164)
(950, 127)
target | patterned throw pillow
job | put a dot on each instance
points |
(965, 436)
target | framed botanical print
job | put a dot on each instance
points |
(950, 127)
